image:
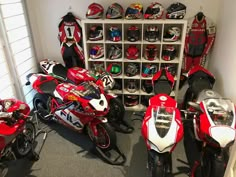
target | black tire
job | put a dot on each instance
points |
(117, 110)
(24, 141)
(40, 105)
(157, 166)
(105, 132)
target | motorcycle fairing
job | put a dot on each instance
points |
(158, 143)
(78, 75)
(99, 104)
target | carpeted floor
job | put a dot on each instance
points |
(68, 154)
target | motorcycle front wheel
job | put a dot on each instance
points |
(24, 141)
(106, 139)
(157, 165)
(40, 105)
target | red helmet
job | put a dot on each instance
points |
(97, 52)
(150, 52)
(95, 10)
(154, 11)
(132, 52)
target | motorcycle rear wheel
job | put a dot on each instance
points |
(117, 111)
(24, 141)
(106, 139)
(40, 104)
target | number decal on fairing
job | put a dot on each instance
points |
(69, 30)
(107, 80)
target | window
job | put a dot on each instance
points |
(16, 51)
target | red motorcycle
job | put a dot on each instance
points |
(78, 107)
(162, 129)
(77, 75)
(214, 125)
(17, 132)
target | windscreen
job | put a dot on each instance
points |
(220, 110)
(163, 117)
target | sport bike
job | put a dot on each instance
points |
(162, 129)
(79, 107)
(214, 132)
(77, 75)
(17, 133)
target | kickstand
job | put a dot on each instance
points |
(120, 159)
(39, 131)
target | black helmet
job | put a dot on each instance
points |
(147, 86)
(150, 52)
(132, 69)
(133, 33)
(131, 100)
(131, 86)
(168, 52)
(154, 11)
(95, 33)
(176, 11)
(114, 52)
(152, 33)
(114, 11)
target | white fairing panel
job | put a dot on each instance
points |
(99, 104)
(162, 143)
(222, 134)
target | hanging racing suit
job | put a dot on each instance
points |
(199, 39)
(70, 36)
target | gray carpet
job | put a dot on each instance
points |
(69, 154)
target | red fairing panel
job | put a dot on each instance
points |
(78, 75)
(163, 100)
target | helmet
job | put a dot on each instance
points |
(147, 86)
(132, 52)
(150, 52)
(133, 33)
(172, 34)
(152, 33)
(114, 34)
(132, 69)
(131, 86)
(114, 52)
(95, 10)
(176, 11)
(148, 70)
(97, 52)
(154, 11)
(95, 33)
(134, 11)
(114, 69)
(131, 100)
(168, 53)
(114, 11)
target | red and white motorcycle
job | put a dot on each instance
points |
(76, 75)
(214, 125)
(162, 129)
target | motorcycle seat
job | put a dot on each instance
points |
(60, 70)
(48, 87)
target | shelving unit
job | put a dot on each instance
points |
(141, 44)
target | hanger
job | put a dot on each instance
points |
(69, 17)
(200, 14)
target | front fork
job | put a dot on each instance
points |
(93, 126)
(160, 159)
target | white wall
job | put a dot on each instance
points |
(223, 59)
(45, 15)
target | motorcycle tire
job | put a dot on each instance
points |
(40, 105)
(105, 132)
(24, 142)
(157, 166)
(117, 110)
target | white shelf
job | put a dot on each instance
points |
(123, 25)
